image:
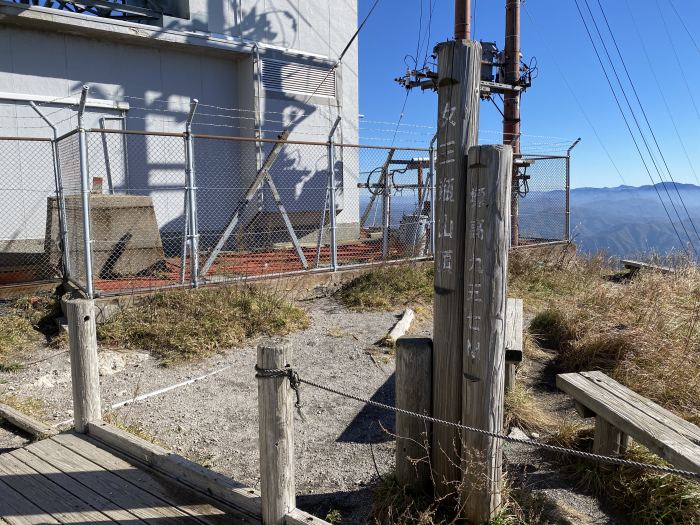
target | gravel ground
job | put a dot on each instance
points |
(567, 503)
(11, 438)
(214, 421)
(340, 446)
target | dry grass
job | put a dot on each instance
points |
(645, 497)
(27, 405)
(28, 322)
(522, 410)
(185, 325)
(644, 333)
(390, 287)
(135, 428)
(393, 505)
(538, 280)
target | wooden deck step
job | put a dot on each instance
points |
(72, 478)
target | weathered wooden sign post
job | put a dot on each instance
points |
(472, 230)
(459, 66)
(485, 298)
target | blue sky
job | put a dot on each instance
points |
(569, 78)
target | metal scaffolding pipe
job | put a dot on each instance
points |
(85, 195)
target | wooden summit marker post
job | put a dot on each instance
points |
(459, 73)
(485, 299)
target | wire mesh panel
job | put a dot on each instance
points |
(392, 199)
(542, 204)
(260, 206)
(137, 209)
(68, 153)
(27, 185)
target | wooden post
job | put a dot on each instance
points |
(414, 368)
(84, 366)
(459, 72)
(276, 440)
(514, 339)
(608, 440)
(485, 298)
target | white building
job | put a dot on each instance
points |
(144, 65)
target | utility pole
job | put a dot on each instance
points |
(463, 26)
(511, 102)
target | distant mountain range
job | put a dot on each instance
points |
(623, 221)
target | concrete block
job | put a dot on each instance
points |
(125, 234)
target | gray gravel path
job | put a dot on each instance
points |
(214, 421)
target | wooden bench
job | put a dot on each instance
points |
(514, 339)
(622, 414)
(635, 266)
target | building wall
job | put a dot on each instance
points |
(46, 57)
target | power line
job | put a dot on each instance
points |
(680, 18)
(624, 117)
(581, 108)
(661, 92)
(646, 119)
(429, 31)
(636, 122)
(681, 68)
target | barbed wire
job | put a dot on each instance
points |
(296, 380)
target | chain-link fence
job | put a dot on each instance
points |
(178, 209)
(262, 207)
(27, 180)
(543, 203)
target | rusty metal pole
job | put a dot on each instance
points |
(511, 103)
(463, 12)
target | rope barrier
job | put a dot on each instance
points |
(296, 381)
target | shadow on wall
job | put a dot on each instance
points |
(154, 166)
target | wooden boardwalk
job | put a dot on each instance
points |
(72, 478)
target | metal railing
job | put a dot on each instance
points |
(185, 209)
(116, 211)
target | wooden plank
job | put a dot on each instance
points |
(79, 490)
(15, 509)
(401, 327)
(514, 325)
(633, 421)
(299, 517)
(514, 340)
(638, 265)
(53, 499)
(169, 491)
(183, 470)
(24, 422)
(666, 417)
(122, 493)
(414, 364)
(276, 436)
(459, 71)
(485, 299)
(84, 366)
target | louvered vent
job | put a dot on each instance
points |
(290, 77)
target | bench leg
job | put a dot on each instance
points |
(510, 376)
(608, 440)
